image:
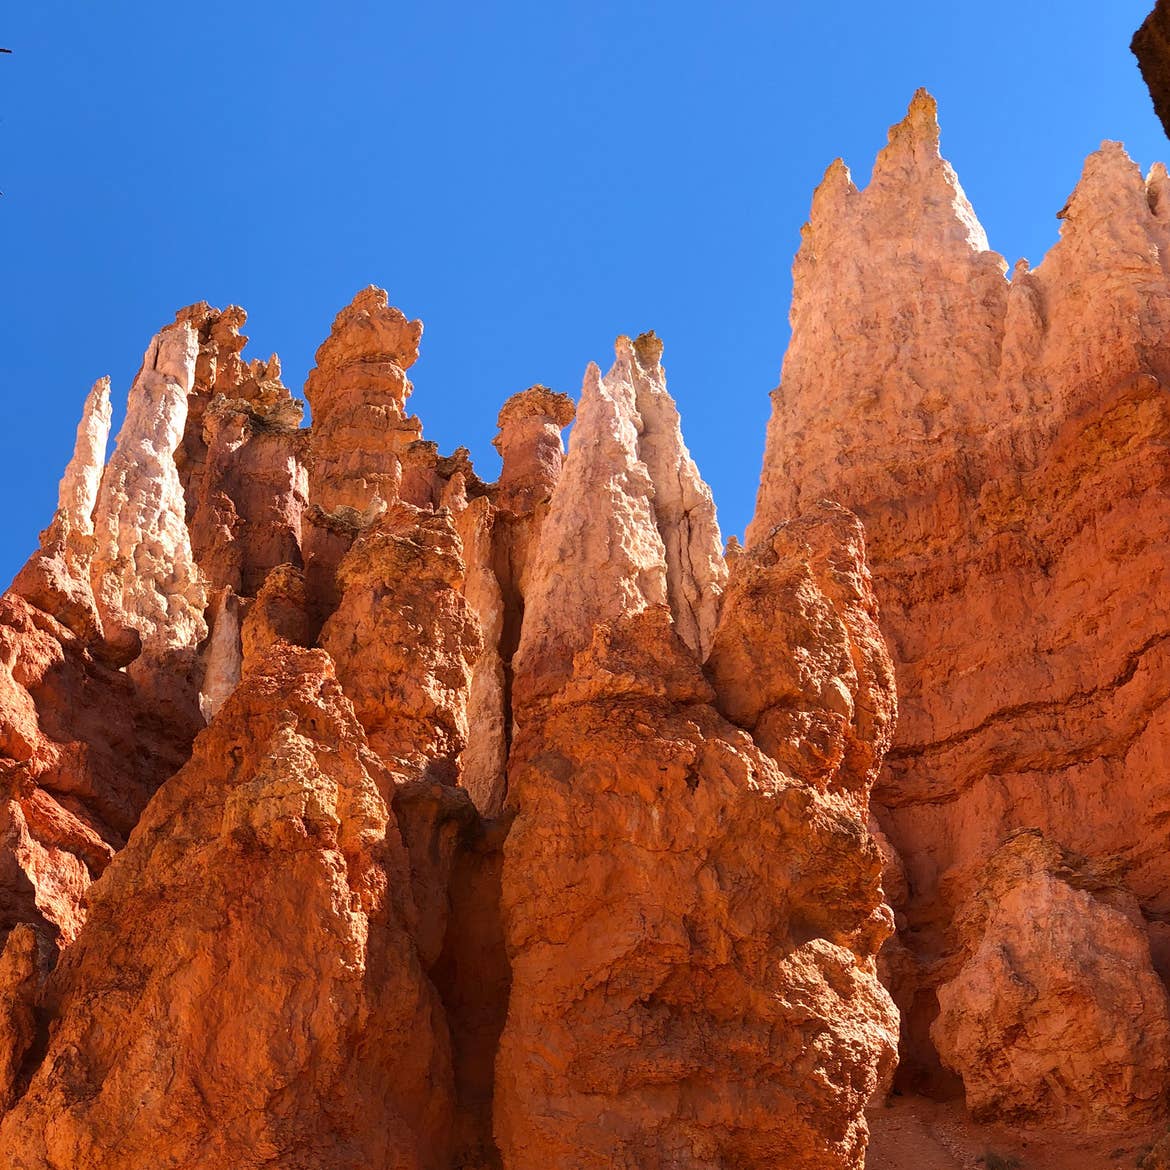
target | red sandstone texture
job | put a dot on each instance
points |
(1003, 443)
(359, 814)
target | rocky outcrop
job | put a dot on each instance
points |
(405, 641)
(1151, 47)
(149, 591)
(57, 577)
(703, 933)
(1056, 1015)
(798, 659)
(1002, 443)
(242, 459)
(500, 533)
(355, 812)
(275, 840)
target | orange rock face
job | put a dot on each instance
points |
(359, 814)
(246, 988)
(693, 979)
(1057, 1013)
(1002, 441)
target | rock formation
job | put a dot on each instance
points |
(693, 979)
(1151, 47)
(1057, 1013)
(357, 813)
(1002, 442)
(245, 991)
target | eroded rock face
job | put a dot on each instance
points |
(144, 574)
(1056, 1014)
(406, 641)
(704, 931)
(1003, 445)
(477, 863)
(274, 840)
(242, 459)
(57, 577)
(1151, 47)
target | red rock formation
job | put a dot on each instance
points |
(1056, 1014)
(242, 458)
(693, 974)
(1003, 444)
(451, 727)
(405, 641)
(500, 534)
(176, 1037)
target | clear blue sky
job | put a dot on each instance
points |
(531, 179)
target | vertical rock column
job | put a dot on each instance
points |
(500, 532)
(57, 577)
(691, 929)
(361, 434)
(147, 585)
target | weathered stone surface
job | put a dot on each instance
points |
(57, 577)
(147, 585)
(684, 510)
(693, 979)
(358, 392)
(20, 983)
(799, 660)
(450, 726)
(82, 749)
(242, 459)
(405, 640)
(1151, 47)
(1003, 445)
(176, 1039)
(1056, 1015)
(530, 446)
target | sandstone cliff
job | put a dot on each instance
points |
(360, 814)
(1003, 442)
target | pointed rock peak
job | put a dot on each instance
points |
(600, 557)
(833, 190)
(913, 147)
(682, 505)
(920, 124)
(1110, 182)
(648, 350)
(77, 494)
(383, 331)
(911, 175)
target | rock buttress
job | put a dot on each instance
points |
(692, 930)
(1003, 444)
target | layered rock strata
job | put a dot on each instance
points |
(1003, 443)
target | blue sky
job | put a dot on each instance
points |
(531, 179)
